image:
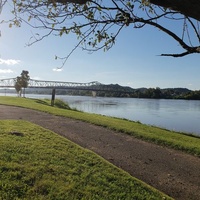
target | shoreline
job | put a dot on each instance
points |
(172, 172)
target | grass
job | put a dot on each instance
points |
(36, 163)
(179, 141)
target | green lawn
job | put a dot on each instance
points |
(180, 141)
(36, 163)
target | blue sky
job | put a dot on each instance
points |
(133, 61)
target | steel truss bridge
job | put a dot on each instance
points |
(92, 86)
(10, 83)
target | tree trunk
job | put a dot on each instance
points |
(20, 93)
(189, 8)
(24, 92)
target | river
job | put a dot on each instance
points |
(178, 115)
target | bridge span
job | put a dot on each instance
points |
(94, 86)
(10, 83)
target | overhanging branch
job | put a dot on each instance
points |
(189, 49)
(70, 1)
(189, 8)
(62, 17)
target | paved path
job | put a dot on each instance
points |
(173, 172)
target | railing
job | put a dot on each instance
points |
(7, 82)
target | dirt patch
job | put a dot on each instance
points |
(173, 172)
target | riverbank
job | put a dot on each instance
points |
(176, 140)
(176, 115)
(170, 171)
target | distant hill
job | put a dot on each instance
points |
(116, 90)
(181, 90)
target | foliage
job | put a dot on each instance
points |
(169, 93)
(97, 23)
(194, 95)
(24, 78)
(22, 82)
(39, 164)
(180, 141)
(61, 104)
(18, 86)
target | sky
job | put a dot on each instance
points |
(133, 61)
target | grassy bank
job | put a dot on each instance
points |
(180, 141)
(38, 164)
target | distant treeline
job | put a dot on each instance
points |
(120, 91)
(169, 93)
(156, 93)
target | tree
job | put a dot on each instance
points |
(18, 86)
(97, 23)
(22, 82)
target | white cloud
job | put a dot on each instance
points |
(9, 62)
(6, 71)
(57, 69)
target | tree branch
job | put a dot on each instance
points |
(189, 8)
(189, 49)
(70, 1)
(95, 23)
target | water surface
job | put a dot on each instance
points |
(178, 115)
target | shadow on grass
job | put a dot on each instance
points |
(42, 102)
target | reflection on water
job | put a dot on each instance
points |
(179, 115)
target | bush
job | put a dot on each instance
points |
(61, 104)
